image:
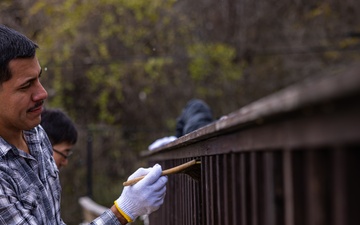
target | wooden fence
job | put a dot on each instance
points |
(291, 158)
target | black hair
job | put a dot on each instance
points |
(58, 126)
(13, 45)
(196, 114)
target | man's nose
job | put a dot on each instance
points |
(40, 93)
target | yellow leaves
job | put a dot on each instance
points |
(154, 66)
(109, 18)
(332, 55)
(96, 75)
(323, 9)
(105, 81)
(132, 35)
(145, 11)
(346, 43)
(209, 59)
(103, 100)
(349, 42)
(37, 7)
(212, 66)
(103, 51)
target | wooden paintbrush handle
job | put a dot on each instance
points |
(173, 170)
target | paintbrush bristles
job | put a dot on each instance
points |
(173, 170)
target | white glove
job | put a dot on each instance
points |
(145, 196)
(161, 142)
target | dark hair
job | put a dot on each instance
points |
(196, 114)
(13, 45)
(58, 126)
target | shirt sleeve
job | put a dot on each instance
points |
(106, 218)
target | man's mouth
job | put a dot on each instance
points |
(37, 106)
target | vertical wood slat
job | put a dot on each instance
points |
(279, 195)
(226, 190)
(243, 190)
(212, 194)
(184, 203)
(313, 212)
(339, 205)
(191, 199)
(210, 213)
(309, 189)
(253, 191)
(269, 190)
(235, 183)
(352, 184)
(186, 198)
(203, 192)
(218, 189)
(288, 189)
(197, 207)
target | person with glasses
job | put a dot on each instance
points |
(62, 134)
(30, 190)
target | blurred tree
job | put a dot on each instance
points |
(124, 69)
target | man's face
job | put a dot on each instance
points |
(22, 96)
(61, 152)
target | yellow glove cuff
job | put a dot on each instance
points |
(123, 213)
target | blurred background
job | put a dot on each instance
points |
(124, 69)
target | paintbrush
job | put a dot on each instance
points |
(191, 168)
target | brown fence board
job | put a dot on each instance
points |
(292, 158)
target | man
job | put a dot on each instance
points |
(30, 189)
(61, 132)
(195, 115)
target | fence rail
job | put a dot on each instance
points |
(291, 158)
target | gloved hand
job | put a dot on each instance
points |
(145, 196)
(161, 142)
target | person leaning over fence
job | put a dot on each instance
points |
(195, 114)
(30, 189)
(62, 134)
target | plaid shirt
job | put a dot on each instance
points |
(30, 188)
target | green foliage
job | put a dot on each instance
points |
(154, 67)
(109, 45)
(133, 64)
(213, 63)
(207, 59)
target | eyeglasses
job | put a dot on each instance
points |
(62, 154)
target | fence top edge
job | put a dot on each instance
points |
(315, 90)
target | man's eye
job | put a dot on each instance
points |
(25, 86)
